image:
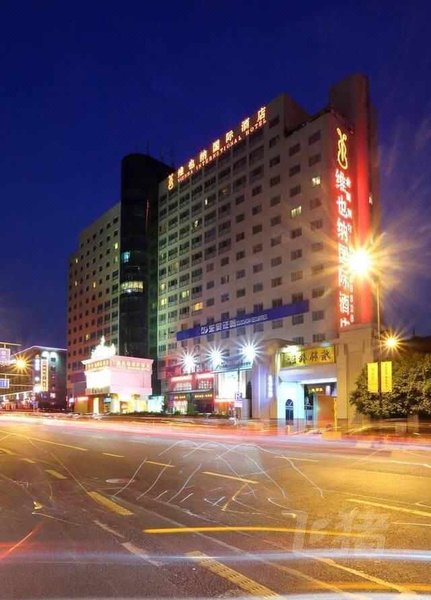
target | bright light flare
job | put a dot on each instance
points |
(391, 342)
(216, 358)
(361, 262)
(21, 364)
(188, 362)
(249, 352)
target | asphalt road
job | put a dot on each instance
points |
(115, 510)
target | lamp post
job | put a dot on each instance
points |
(361, 265)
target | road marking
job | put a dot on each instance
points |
(229, 477)
(55, 474)
(410, 511)
(233, 499)
(302, 459)
(107, 503)
(141, 553)
(362, 585)
(28, 460)
(153, 462)
(115, 455)
(240, 580)
(7, 451)
(107, 528)
(382, 582)
(48, 441)
(228, 528)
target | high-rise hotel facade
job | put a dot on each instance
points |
(257, 309)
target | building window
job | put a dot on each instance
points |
(315, 137)
(296, 275)
(297, 319)
(298, 297)
(276, 282)
(257, 287)
(274, 141)
(239, 218)
(275, 200)
(239, 199)
(224, 297)
(197, 306)
(257, 268)
(256, 209)
(257, 228)
(319, 337)
(240, 236)
(296, 233)
(256, 190)
(316, 269)
(276, 220)
(295, 254)
(294, 149)
(210, 302)
(240, 255)
(274, 180)
(317, 246)
(317, 292)
(273, 122)
(277, 302)
(277, 323)
(224, 335)
(257, 248)
(275, 241)
(295, 191)
(258, 327)
(315, 181)
(294, 170)
(314, 159)
(276, 261)
(315, 203)
(240, 274)
(299, 340)
(224, 261)
(317, 315)
(274, 161)
(318, 224)
(240, 293)
(295, 212)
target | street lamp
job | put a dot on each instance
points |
(362, 266)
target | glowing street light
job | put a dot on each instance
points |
(216, 358)
(391, 342)
(21, 364)
(249, 352)
(189, 363)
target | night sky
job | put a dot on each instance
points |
(84, 83)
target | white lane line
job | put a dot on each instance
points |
(313, 460)
(108, 529)
(141, 553)
(188, 496)
(114, 455)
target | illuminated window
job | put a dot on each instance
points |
(94, 284)
(163, 302)
(116, 246)
(197, 306)
(315, 181)
(185, 294)
(295, 212)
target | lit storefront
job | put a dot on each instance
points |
(193, 392)
(116, 384)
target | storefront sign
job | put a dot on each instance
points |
(305, 357)
(4, 356)
(250, 319)
(44, 375)
(207, 155)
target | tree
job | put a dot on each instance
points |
(411, 389)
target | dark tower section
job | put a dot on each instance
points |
(140, 178)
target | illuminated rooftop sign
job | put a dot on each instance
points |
(205, 156)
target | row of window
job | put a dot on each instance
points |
(101, 232)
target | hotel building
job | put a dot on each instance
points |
(111, 290)
(256, 307)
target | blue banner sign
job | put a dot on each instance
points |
(244, 320)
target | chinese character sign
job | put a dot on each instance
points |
(307, 356)
(205, 156)
(344, 232)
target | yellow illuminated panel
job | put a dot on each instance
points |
(342, 149)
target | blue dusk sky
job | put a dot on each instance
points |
(84, 83)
